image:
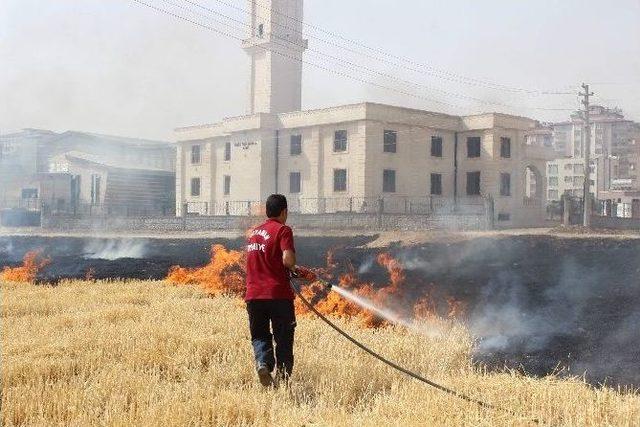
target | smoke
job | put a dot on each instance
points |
(367, 264)
(115, 249)
(541, 304)
(6, 250)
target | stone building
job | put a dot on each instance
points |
(80, 171)
(353, 157)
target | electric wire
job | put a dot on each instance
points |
(340, 61)
(447, 75)
(323, 67)
(397, 367)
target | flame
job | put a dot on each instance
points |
(27, 272)
(224, 274)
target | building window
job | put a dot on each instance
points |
(296, 145)
(294, 182)
(505, 184)
(473, 183)
(29, 193)
(195, 154)
(553, 181)
(553, 194)
(388, 181)
(473, 146)
(227, 151)
(339, 180)
(95, 189)
(553, 169)
(568, 179)
(260, 30)
(568, 167)
(436, 146)
(227, 185)
(390, 141)
(340, 141)
(505, 148)
(436, 184)
(195, 187)
(504, 217)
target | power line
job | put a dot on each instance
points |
(447, 75)
(322, 67)
(343, 62)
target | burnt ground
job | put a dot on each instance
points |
(539, 304)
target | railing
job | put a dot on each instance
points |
(159, 209)
(337, 205)
(29, 204)
(531, 202)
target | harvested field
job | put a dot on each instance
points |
(538, 304)
(147, 353)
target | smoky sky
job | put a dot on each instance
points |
(119, 68)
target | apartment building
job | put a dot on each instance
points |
(566, 176)
(615, 158)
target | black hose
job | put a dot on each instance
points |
(398, 367)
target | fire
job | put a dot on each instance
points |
(27, 272)
(224, 274)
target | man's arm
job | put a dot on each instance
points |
(289, 259)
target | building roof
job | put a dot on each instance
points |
(119, 140)
(355, 112)
(111, 164)
(27, 134)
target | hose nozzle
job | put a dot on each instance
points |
(326, 285)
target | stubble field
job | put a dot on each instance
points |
(148, 353)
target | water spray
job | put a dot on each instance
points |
(384, 313)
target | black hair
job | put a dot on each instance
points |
(276, 203)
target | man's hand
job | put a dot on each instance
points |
(306, 274)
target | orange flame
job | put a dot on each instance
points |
(27, 272)
(225, 275)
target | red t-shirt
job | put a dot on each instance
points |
(267, 277)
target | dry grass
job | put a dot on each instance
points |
(141, 353)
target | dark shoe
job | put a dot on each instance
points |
(264, 374)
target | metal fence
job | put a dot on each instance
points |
(109, 209)
(364, 205)
(29, 204)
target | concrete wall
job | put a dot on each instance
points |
(615, 223)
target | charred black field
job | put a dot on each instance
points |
(539, 304)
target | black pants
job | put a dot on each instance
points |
(277, 315)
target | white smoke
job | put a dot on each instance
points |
(6, 249)
(115, 249)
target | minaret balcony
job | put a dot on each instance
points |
(268, 41)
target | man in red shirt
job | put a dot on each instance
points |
(271, 258)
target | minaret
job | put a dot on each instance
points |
(275, 46)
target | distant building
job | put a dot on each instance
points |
(350, 157)
(615, 157)
(79, 171)
(566, 176)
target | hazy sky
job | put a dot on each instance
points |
(114, 66)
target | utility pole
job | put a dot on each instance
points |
(586, 193)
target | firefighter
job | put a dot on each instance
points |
(271, 259)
